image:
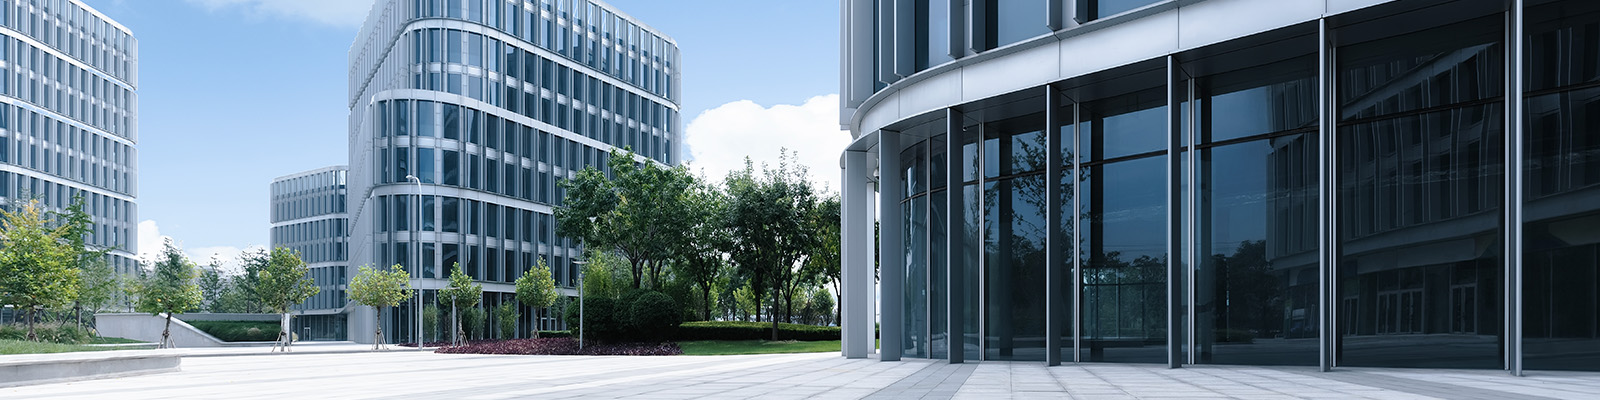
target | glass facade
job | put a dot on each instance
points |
(68, 117)
(309, 216)
(488, 104)
(1273, 199)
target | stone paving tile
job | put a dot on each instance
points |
(402, 374)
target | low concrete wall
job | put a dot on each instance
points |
(147, 328)
(18, 371)
(228, 317)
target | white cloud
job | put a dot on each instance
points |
(151, 241)
(343, 13)
(719, 139)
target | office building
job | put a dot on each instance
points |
(1323, 183)
(69, 117)
(308, 216)
(465, 114)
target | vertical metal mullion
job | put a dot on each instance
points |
(904, 38)
(1052, 221)
(1191, 253)
(1327, 203)
(1174, 219)
(927, 239)
(1077, 232)
(955, 234)
(983, 261)
(1514, 189)
(957, 32)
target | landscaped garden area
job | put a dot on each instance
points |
(54, 337)
(239, 331)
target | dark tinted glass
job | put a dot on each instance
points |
(1561, 258)
(1014, 261)
(1419, 178)
(1124, 274)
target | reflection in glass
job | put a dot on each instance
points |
(1124, 273)
(1561, 237)
(1017, 20)
(1419, 185)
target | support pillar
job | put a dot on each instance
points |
(1054, 260)
(1327, 332)
(891, 189)
(956, 234)
(1175, 307)
(1514, 187)
(856, 238)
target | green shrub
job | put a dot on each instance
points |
(736, 330)
(555, 334)
(600, 320)
(239, 331)
(653, 317)
(49, 332)
(472, 323)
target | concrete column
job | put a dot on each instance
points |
(856, 238)
(955, 234)
(891, 188)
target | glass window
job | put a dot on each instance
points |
(452, 121)
(1104, 8)
(452, 167)
(1419, 280)
(425, 167)
(1017, 20)
(426, 125)
(932, 36)
(1561, 316)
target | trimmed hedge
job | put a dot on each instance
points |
(736, 330)
(239, 331)
(52, 332)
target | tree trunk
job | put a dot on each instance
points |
(377, 335)
(775, 316)
(704, 288)
(166, 333)
(536, 321)
(455, 325)
(638, 273)
(31, 315)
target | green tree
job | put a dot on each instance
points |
(768, 218)
(283, 282)
(38, 263)
(824, 259)
(700, 260)
(536, 289)
(430, 323)
(506, 315)
(379, 289)
(637, 212)
(246, 286)
(99, 285)
(213, 284)
(461, 294)
(170, 289)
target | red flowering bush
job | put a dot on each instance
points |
(562, 347)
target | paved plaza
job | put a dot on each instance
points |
(413, 375)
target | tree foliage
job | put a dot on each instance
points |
(769, 221)
(170, 289)
(379, 289)
(634, 213)
(462, 294)
(536, 289)
(38, 260)
(284, 282)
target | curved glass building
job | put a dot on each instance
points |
(69, 117)
(487, 103)
(1322, 183)
(309, 216)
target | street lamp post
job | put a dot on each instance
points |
(416, 231)
(580, 264)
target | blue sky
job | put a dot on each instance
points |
(233, 93)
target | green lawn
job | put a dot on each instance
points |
(729, 347)
(111, 340)
(26, 347)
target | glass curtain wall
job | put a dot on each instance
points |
(1256, 279)
(914, 173)
(1014, 153)
(1561, 209)
(1124, 250)
(1419, 178)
